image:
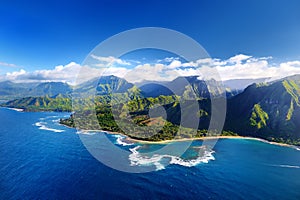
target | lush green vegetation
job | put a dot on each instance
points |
(269, 111)
(258, 117)
(131, 116)
(45, 103)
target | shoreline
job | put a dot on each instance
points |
(212, 138)
(169, 141)
(33, 111)
(128, 138)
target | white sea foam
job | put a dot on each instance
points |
(137, 159)
(86, 132)
(17, 109)
(288, 166)
(120, 140)
(42, 126)
(208, 155)
(50, 117)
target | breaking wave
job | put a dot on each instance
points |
(42, 126)
(288, 166)
(86, 132)
(17, 109)
(137, 159)
(120, 140)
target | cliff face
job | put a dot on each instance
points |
(267, 110)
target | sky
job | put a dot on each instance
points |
(44, 39)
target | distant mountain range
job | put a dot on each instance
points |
(103, 86)
(108, 84)
(183, 86)
(241, 84)
(10, 90)
(265, 110)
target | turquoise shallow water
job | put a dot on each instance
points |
(39, 159)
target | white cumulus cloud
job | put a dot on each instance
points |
(236, 67)
(108, 61)
(5, 64)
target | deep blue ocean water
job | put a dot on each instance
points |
(40, 159)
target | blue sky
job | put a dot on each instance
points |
(36, 35)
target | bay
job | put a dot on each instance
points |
(40, 159)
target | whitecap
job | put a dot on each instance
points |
(288, 166)
(49, 117)
(42, 126)
(137, 159)
(120, 141)
(17, 109)
(208, 155)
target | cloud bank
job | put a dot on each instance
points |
(5, 64)
(237, 67)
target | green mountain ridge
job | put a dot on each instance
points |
(10, 90)
(266, 110)
(188, 87)
(103, 86)
(112, 84)
(46, 103)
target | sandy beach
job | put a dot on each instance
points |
(210, 138)
(128, 138)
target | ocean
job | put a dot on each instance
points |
(40, 159)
